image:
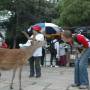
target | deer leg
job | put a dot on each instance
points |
(11, 85)
(20, 72)
(0, 74)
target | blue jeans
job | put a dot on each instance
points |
(81, 73)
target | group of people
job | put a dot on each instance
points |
(81, 74)
(58, 53)
(82, 43)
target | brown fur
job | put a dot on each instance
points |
(16, 58)
(11, 58)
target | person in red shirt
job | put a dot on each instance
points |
(4, 45)
(81, 74)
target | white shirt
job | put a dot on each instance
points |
(28, 43)
(57, 49)
(62, 50)
(38, 52)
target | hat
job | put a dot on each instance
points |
(39, 37)
(36, 28)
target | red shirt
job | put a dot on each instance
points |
(83, 40)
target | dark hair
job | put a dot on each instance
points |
(67, 34)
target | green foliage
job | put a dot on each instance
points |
(5, 4)
(74, 12)
(27, 12)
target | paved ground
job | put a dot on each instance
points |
(52, 79)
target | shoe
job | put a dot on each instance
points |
(51, 65)
(0, 74)
(74, 85)
(56, 66)
(83, 87)
(30, 76)
(41, 65)
(38, 76)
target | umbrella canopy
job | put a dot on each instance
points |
(49, 28)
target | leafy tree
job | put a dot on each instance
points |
(74, 12)
(26, 13)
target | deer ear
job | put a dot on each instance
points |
(26, 35)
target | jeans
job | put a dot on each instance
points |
(81, 73)
(35, 66)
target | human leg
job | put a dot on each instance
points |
(31, 62)
(37, 66)
(81, 74)
(83, 68)
(76, 73)
(51, 59)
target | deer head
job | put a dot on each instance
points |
(33, 40)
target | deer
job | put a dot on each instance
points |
(13, 59)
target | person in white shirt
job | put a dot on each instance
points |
(61, 54)
(35, 60)
(53, 51)
(57, 51)
(62, 60)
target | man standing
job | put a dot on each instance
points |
(81, 75)
(53, 52)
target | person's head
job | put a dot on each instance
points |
(36, 29)
(66, 36)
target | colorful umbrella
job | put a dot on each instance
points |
(49, 28)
